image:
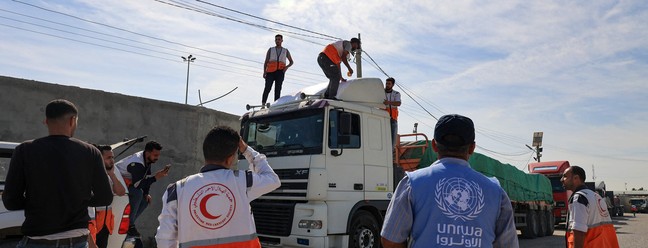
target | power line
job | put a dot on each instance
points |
(136, 33)
(411, 95)
(132, 32)
(268, 20)
(236, 20)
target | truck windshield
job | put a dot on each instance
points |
(556, 185)
(295, 133)
(637, 202)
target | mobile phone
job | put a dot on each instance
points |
(167, 167)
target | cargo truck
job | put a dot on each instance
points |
(554, 170)
(338, 172)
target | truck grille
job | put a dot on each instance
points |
(272, 217)
(294, 184)
(560, 204)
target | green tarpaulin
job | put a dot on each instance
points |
(518, 185)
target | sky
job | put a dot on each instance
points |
(574, 70)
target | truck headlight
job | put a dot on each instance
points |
(563, 211)
(310, 224)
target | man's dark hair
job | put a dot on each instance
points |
(452, 151)
(391, 79)
(355, 40)
(152, 145)
(103, 148)
(577, 170)
(221, 142)
(280, 36)
(59, 108)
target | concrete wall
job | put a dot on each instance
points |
(108, 118)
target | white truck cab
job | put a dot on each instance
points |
(334, 159)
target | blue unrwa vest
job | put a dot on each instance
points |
(453, 205)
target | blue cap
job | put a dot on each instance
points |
(457, 125)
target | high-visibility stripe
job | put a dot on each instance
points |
(243, 241)
(104, 208)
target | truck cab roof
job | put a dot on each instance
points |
(362, 92)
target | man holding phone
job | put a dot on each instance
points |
(136, 170)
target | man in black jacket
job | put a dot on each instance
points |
(54, 179)
(136, 170)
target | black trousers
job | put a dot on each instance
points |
(102, 237)
(332, 72)
(277, 77)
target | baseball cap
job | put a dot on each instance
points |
(454, 124)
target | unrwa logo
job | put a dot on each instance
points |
(459, 198)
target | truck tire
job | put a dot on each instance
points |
(550, 223)
(530, 231)
(542, 223)
(365, 232)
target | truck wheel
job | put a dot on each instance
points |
(530, 231)
(365, 232)
(550, 223)
(542, 223)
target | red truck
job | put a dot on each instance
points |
(554, 170)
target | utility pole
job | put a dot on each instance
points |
(188, 60)
(593, 174)
(358, 59)
(537, 143)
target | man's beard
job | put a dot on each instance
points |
(109, 167)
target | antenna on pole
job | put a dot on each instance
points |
(593, 174)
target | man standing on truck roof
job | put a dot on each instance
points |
(392, 101)
(588, 220)
(104, 216)
(329, 60)
(274, 68)
(136, 170)
(449, 203)
(212, 208)
(55, 179)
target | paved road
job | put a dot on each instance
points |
(631, 231)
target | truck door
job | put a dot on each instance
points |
(376, 146)
(344, 160)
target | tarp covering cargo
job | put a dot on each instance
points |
(518, 185)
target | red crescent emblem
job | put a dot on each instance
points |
(203, 207)
(602, 210)
(219, 212)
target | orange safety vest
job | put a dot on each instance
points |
(602, 236)
(105, 217)
(332, 53)
(278, 63)
(92, 225)
(392, 110)
(600, 231)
